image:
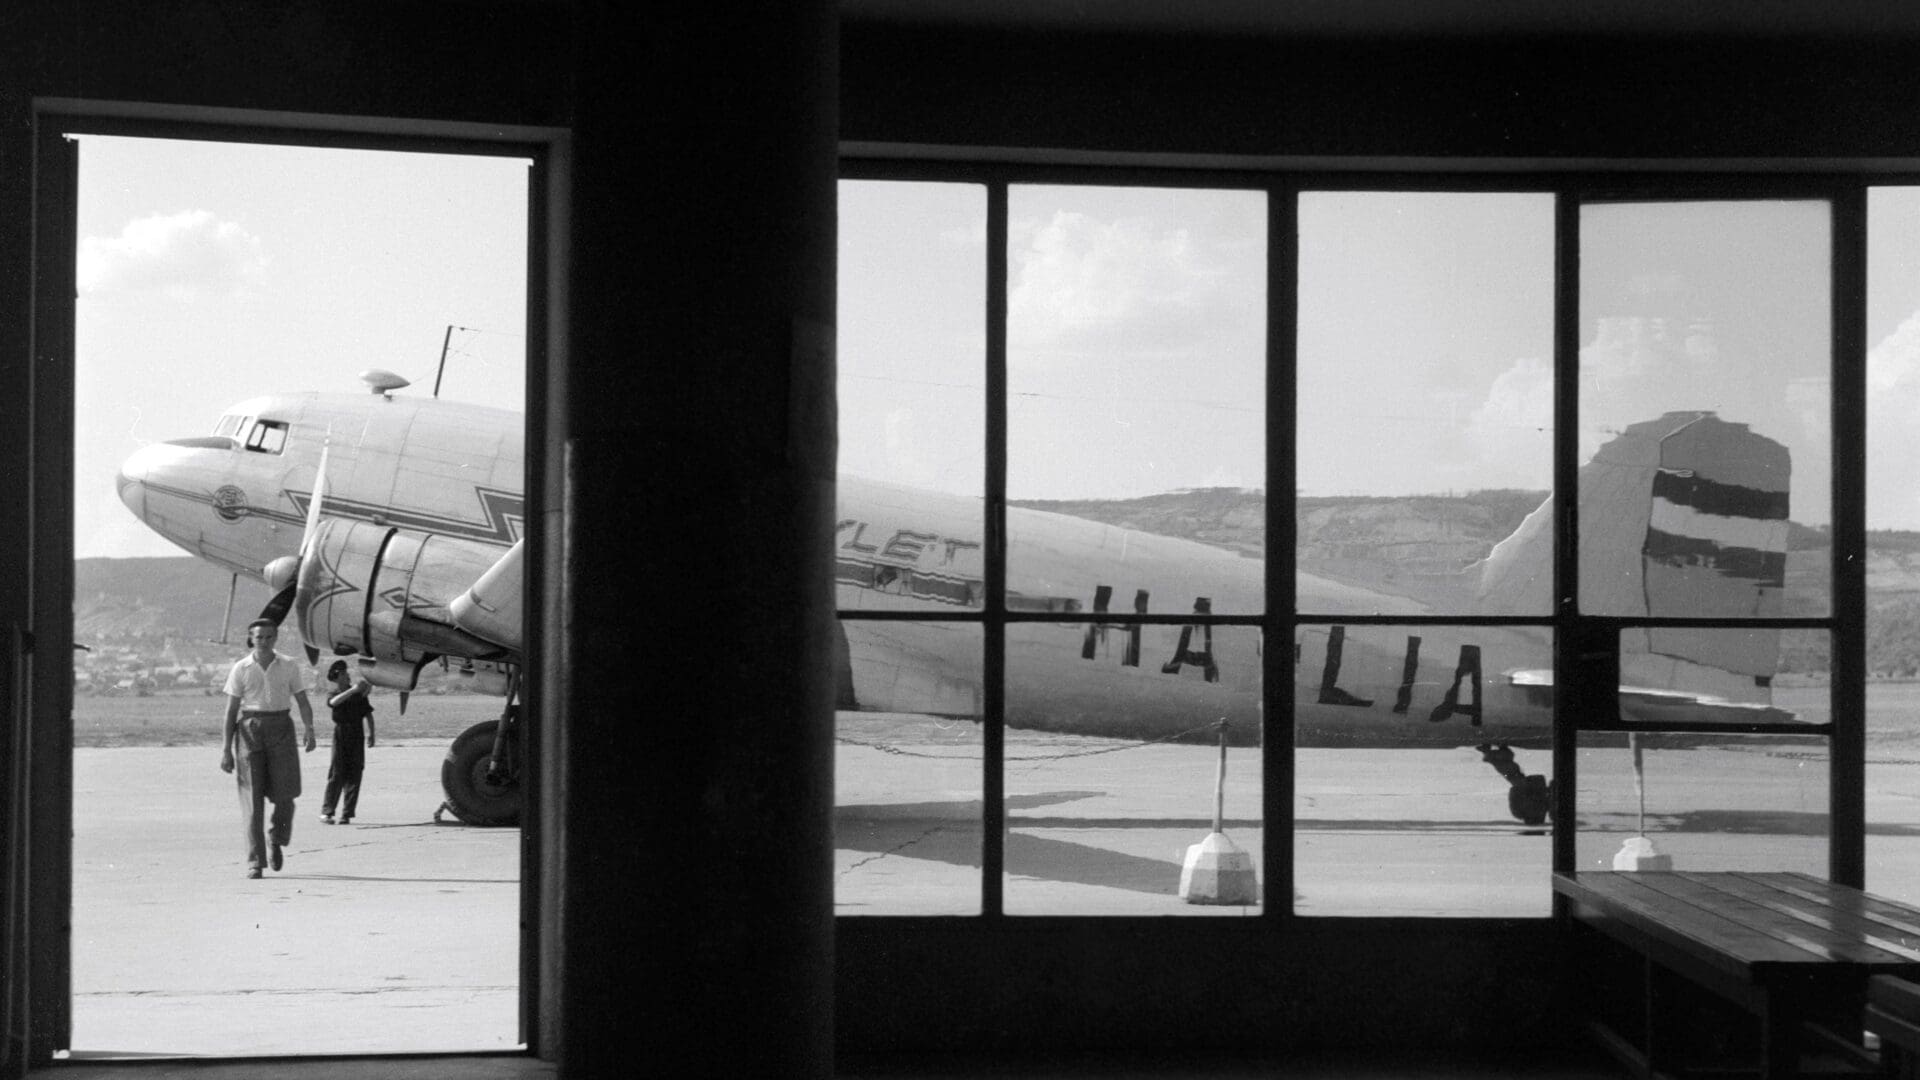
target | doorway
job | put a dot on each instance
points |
(210, 275)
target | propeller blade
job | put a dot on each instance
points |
(302, 593)
(313, 502)
(311, 566)
(281, 603)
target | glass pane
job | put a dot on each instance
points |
(1708, 678)
(1425, 432)
(1893, 802)
(1704, 407)
(1422, 770)
(907, 769)
(1136, 396)
(1115, 771)
(1703, 802)
(1893, 541)
(911, 354)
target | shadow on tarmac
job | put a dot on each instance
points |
(958, 844)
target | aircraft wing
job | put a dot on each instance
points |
(491, 609)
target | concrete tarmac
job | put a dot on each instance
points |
(398, 935)
(390, 935)
(1101, 827)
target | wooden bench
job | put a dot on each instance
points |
(1793, 951)
(1893, 1013)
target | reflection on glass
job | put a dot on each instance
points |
(907, 769)
(1703, 802)
(1710, 677)
(911, 357)
(1425, 432)
(1422, 770)
(1893, 542)
(1114, 768)
(1136, 362)
(1704, 407)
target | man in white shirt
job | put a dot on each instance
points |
(259, 689)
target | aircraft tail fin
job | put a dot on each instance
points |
(1684, 516)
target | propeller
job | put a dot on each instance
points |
(292, 575)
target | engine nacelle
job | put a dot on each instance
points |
(382, 592)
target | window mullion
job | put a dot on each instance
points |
(1847, 677)
(993, 688)
(1566, 503)
(1276, 647)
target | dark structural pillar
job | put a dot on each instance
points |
(693, 782)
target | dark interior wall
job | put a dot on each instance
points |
(1527, 97)
(489, 61)
(699, 475)
(1200, 984)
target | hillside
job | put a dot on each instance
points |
(166, 596)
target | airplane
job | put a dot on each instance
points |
(1685, 515)
(392, 528)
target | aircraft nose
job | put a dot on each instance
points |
(132, 481)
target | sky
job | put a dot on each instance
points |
(213, 272)
(1425, 322)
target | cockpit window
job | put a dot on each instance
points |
(230, 424)
(267, 436)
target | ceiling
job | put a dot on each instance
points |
(1418, 18)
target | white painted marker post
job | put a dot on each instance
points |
(1637, 853)
(1216, 871)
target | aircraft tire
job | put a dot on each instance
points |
(463, 775)
(1530, 800)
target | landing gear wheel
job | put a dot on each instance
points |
(1530, 799)
(473, 795)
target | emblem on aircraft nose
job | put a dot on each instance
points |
(230, 503)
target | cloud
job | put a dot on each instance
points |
(1512, 431)
(1082, 284)
(182, 256)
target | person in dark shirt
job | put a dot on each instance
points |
(351, 711)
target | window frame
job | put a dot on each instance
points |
(1577, 637)
(264, 432)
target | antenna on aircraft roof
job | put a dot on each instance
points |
(382, 381)
(444, 340)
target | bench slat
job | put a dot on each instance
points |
(1812, 945)
(1897, 997)
(1703, 932)
(1879, 944)
(1901, 921)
